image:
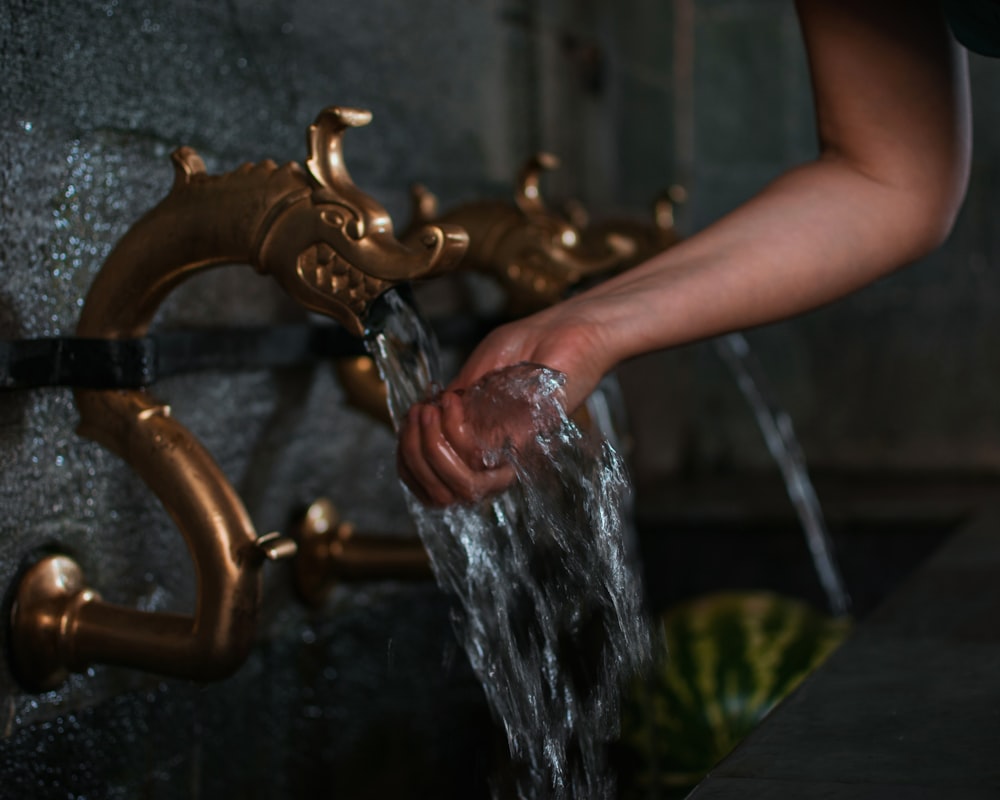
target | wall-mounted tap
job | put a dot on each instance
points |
(638, 240)
(328, 244)
(332, 248)
(534, 253)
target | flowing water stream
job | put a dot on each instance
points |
(548, 608)
(776, 426)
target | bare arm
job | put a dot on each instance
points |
(891, 97)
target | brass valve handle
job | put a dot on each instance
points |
(330, 553)
(331, 247)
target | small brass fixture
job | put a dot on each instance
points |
(330, 553)
(332, 249)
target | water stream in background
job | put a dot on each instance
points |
(776, 426)
(549, 610)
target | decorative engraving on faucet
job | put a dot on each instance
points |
(331, 247)
(638, 240)
(330, 553)
(535, 253)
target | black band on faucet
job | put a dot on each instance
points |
(137, 363)
(86, 363)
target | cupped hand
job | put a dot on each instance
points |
(449, 451)
(440, 458)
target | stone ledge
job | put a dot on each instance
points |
(906, 708)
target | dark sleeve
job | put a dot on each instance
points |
(976, 24)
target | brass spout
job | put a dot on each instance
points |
(330, 553)
(533, 252)
(331, 247)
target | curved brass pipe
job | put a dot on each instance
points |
(364, 388)
(331, 247)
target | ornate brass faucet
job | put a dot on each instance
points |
(536, 254)
(637, 239)
(332, 248)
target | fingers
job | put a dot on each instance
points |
(414, 467)
(456, 430)
(408, 452)
(476, 478)
(431, 466)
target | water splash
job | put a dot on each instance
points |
(776, 426)
(548, 609)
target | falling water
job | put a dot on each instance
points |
(548, 609)
(776, 426)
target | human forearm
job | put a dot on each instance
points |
(813, 235)
(891, 92)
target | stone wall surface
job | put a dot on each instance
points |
(367, 697)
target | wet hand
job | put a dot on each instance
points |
(451, 449)
(441, 459)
